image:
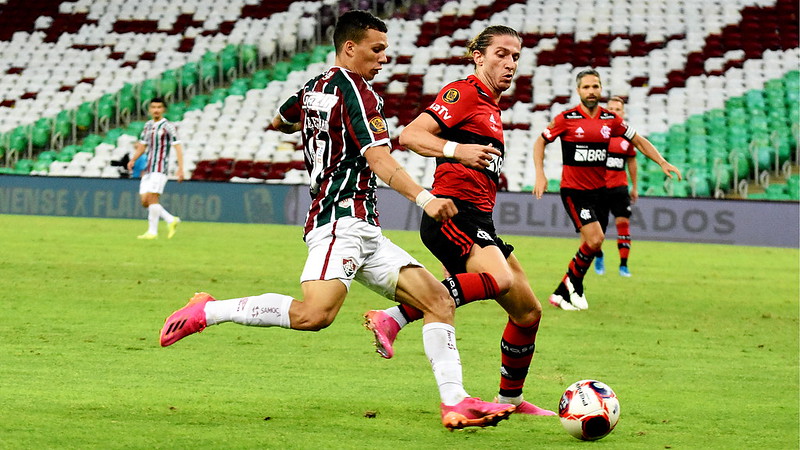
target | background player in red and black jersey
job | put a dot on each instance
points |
(619, 198)
(585, 131)
(462, 129)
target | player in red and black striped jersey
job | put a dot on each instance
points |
(619, 198)
(585, 131)
(463, 130)
(345, 140)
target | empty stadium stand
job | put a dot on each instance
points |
(714, 84)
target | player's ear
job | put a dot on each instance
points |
(477, 57)
(350, 48)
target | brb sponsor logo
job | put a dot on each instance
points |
(615, 162)
(585, 154)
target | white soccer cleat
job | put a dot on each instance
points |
(561, 299)
(577, 299)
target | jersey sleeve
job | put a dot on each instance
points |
(291, 109)
(143, 134)
(454, 104)
(363, 113)
(173, 132)
(621, 128)
(555, 129)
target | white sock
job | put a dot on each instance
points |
(439, 340)
(516, 401)
(266, 310)
(394, 313)
(169, 218)
(153, 214)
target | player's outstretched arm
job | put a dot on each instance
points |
(393, 174)
(284, 127)
(648, 149)
(540, 185)
(422, 136)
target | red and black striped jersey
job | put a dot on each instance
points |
(619, 150)
(342, 117)
(584, 145)
(158, 137)
(467, 114)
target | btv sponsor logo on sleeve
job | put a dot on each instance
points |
(585, 154)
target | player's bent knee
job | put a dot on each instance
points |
(504, 280)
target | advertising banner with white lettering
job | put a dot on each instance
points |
(738, 222)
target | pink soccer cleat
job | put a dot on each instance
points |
(472, 412)
(385, 329)
(533, 410)
(188, 320)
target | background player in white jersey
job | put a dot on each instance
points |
(346, 144)
(619, 197)
(158, 138)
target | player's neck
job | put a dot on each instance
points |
(495, 94)
(591, 112)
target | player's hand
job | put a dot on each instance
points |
(634, 194)
(179, 174)
(540, 186)
(130, 164)
(669, 169)
(476, 156)
(441, 209)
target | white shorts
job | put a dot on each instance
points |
(153, 182)
(350, 249)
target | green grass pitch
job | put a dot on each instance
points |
(701, 346)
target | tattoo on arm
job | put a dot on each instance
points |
(393, 174)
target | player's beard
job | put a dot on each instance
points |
(589, 104)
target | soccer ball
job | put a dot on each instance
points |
(589, 410)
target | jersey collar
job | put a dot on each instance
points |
(482, 89)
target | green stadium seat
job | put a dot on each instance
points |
(281, 70)
(776, 191)
(699, 183)
(23, 166)
(112, 135)
(84, 117)
(198, 102)
(47, 156)
(553, 185)
(19, 140)
(41, 166)
(40, 135)
(218, 95)
(249, 56)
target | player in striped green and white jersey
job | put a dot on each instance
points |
(158, 138)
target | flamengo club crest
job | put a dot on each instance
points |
(349, 266)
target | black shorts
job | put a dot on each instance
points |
(585, 206)
(452, 241)
(618, 201)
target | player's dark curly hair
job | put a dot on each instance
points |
(353, 26)
(484, 39)
(586, 72)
